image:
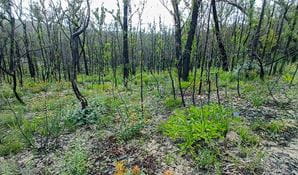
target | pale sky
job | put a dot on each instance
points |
(153, 9)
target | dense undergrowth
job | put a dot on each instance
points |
(201, 132)
(206, 133)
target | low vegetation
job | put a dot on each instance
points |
(88, 88)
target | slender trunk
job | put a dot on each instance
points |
(125, 43)
(190, 37)
(217, 88)
(276, 47)
(254, 47)
(73, 76)
(224, 57)
(204, 52)
(178, 46)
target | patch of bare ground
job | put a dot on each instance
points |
(282, 159)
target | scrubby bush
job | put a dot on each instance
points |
(198, 132)
(197, 124)
(272, 127)
(247, 136)
(82, 117)
(36, 86)
(131, 131)
(172, 103)
(11, 143)
(75, 161)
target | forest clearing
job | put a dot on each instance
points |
(107, 88)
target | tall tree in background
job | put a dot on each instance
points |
(74, 42)
(255, 41)
(222, 50)
(12, 62)
(26, 40)
(178, 43)
(190, 37)
(125, 42)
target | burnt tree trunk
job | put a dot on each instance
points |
(125, 43)
(254, 47)
(74, 40)
(223, 53)
(190, 37)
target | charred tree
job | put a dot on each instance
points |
(223, 53)
(190, 37)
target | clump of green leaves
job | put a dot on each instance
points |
(196, 130)
(199, 132)
(75, 161)
(172, 103)
(36, 87)
(276, 126)
(11, 144)
(87, 116)
(207, 158)
(272, 127)
(194, 124)
(256, 99)
(83, 117)
(247, 136)
(130, 132)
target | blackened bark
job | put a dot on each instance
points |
(204, 53)
(28, 56)
(83, 52)
(74, 40)
(12, 63)
(125, 43)
(190, 37)
(224, 57)
(178, 46)
(254, 47)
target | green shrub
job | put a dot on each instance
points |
(146, 79)
(247, 136)
(75, 161)
(82, 117)
(227, 78)
(198, 131)
(36, 87)
(6, 120)
(256, 96)
(130, 132)
(257, 100)
(172, 103)
(11, 144)
(287, 78)
(272, 127)
(186, 84)
(6, 92)
(192, 125)
(276, 126)
(50, 126)
(29, 128)
(111, 104)
(247, 87)
(97, 112)
(87, 78)
(254, 157)
(207, 158)
(100, 87)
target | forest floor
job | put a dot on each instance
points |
(113, 136)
